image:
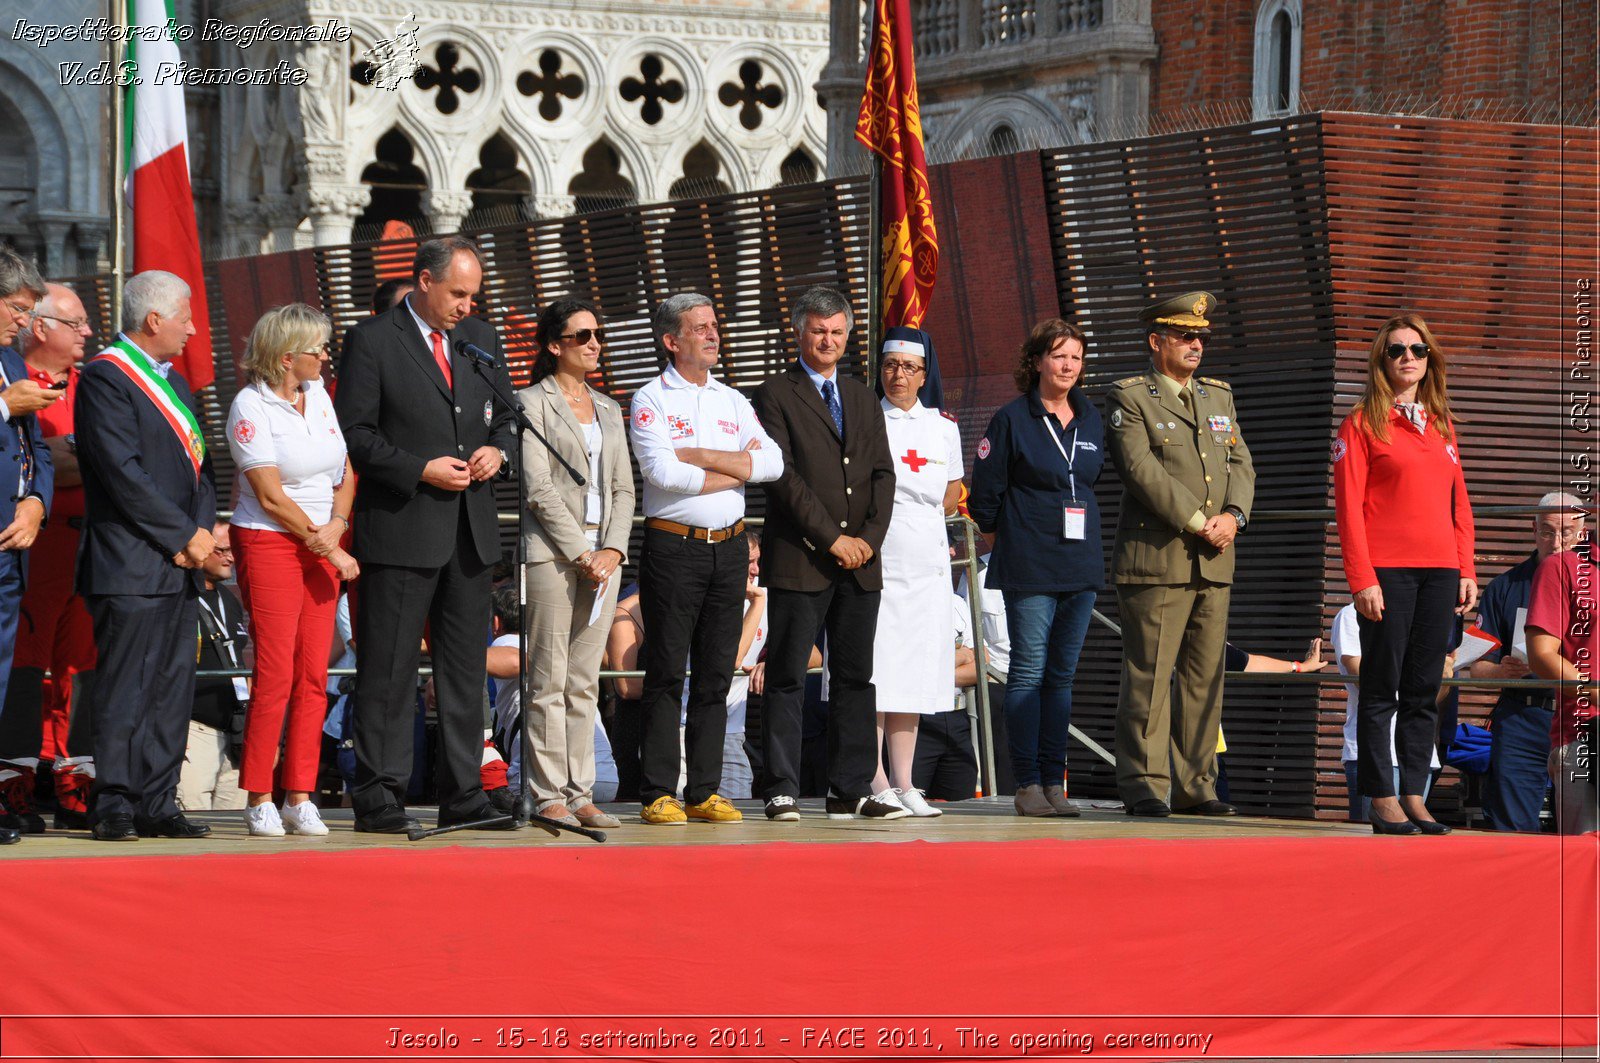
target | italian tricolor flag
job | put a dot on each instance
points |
(161, 202)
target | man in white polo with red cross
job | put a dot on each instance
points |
(698, 443)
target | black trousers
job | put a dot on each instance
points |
(946, 765)
(395, 604)
(691, 595)
(1402, 662)
(850, 617)
(140, 701)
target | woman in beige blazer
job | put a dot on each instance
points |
(577, 539)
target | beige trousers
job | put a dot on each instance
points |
(209, 779)
(564, 652)
(1170, 704)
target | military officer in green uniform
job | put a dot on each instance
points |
(1187, 489)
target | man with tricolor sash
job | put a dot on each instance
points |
(149, 504)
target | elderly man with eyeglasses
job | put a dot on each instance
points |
(24, 504)
(58, 638)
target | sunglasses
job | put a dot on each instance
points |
(1395, 351)
(1188, 337)
(584, 335)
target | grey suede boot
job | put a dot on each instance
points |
(1030, 802)
(1057, 798)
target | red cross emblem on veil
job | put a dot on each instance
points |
(912, 459)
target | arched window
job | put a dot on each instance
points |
(1276, 88)
(1003, 141)
(397, 186)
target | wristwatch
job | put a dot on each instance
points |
(1237, 514)
(71, 440)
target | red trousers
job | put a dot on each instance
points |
(54, 634)
(291, 595)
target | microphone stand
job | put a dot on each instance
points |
(523, 815)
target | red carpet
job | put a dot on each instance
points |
(1153, 949)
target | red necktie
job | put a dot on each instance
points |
(439, 356)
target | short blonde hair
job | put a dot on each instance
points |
(283, 330)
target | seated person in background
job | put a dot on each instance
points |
(1235, 659)
(1346, 642)
(624, 643)
(946, 765)
(1519, 725)
(502, 670)
(997, 645)
(209, 777)
(1563, 642)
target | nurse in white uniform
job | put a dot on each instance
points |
(914, 652)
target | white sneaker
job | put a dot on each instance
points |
(304, 819)
(918, 806)
(263, 821)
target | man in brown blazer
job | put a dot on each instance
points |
(1188, 485)
(826, 519)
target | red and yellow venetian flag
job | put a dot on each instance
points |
(890, 126)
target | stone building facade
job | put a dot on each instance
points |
(518, 109)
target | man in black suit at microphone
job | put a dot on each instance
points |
(426, 438)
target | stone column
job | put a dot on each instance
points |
(552, 205)
(446, 210)
(334, 210)
(280, 214)
(53, 231)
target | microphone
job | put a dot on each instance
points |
(476, 353)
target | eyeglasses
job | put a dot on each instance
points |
(76, 324)
(315, 351)
(1395, 351)
(20, 311)
(901, 368)
(584, 335)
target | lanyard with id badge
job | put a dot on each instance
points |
(1074, 517)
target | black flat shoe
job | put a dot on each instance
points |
(1404, 826)
(484, 817)
(117, 827)
(1429, 826)
(1151, 807)
(9, 836)
(175, 826)
(390, 819)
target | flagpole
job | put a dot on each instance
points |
(116, 48)
(874, 268)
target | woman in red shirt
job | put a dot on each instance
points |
(1405, 531)
(1563, 642)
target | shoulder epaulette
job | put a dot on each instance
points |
(947, 415)
(1128, 382)
(1223, 384)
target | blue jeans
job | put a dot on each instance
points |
(1047, 633)
(1519, 775)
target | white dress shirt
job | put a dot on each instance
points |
(670, 413)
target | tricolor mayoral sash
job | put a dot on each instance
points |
(142, 372)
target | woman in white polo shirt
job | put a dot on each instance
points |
(294, 495)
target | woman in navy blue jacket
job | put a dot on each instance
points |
(1033, 490)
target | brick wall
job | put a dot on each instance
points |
(1501, 54)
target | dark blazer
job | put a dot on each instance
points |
(141, 502)
(828, 488)
(1020, 484)
(397, 415)
(44, 470)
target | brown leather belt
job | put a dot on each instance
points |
(709, 535)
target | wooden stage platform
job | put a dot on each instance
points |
(988, 819)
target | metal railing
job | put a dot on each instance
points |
(977, 696)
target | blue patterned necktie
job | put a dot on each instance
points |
(831, 398)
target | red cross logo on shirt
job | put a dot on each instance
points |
(910, 458)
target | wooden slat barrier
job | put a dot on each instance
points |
(1310, 230)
